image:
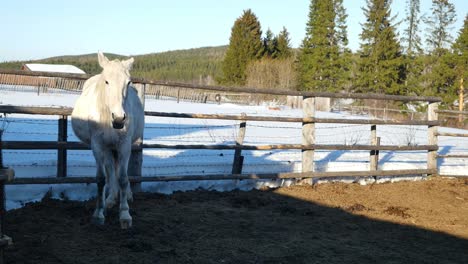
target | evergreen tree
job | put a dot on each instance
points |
(380, 65)
(411, 39)
(440, 77)
(460, 58)
(460, 51)
(269, 44)
(342, 29)
(439, 25)
(276, 68)
(283, 45)
(319, 58)
(345, 59)
(414, 65)
(245, 45)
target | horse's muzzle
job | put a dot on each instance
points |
(118, 125)
(118, 122)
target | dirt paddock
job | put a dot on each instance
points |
(407, 222)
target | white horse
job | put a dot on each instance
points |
(109, 117)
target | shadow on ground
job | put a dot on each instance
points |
(268, 226)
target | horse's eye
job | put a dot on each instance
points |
(107, 82)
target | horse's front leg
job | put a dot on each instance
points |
(105, 175)
(125, 192)
(98, 215)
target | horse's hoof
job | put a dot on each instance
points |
(98, 221)
(125, 223)
(125, 219)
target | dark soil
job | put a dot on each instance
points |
(409, 222)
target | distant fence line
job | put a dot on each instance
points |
(16, 82)
(45, 82)
(251, 91)
(26, 81)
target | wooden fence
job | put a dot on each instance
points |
(307, 147)
(462, 117)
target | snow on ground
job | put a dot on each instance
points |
(156, 162)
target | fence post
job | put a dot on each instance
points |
(1, 151)
(238, 158)
(308, 135)
(432, 137)
(178, 95)
(373, 153)
(62, 152)
(136, 158)
(4, 240)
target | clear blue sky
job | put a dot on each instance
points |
(38, 29)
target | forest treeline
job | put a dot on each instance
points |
(431, 63)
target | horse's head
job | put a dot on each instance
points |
(115, 80)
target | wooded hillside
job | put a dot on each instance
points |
(200, 65)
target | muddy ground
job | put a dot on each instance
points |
(409, 222)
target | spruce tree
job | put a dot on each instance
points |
(283, 45)
(460, 50)
(341, 27)
(460, 58)
(318, 62)
(439, 25)
(440, 77)
(411, 39)
(245, 45)
(414, 66)
(269, 44)
(345, 59)
(380, 66)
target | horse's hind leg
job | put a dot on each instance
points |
(122, 167)
(98, 216)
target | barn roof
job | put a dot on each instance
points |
(63, 68)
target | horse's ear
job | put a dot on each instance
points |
(103, 61)
(128, 63)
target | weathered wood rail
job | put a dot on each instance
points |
(66, 111)
(266, 176)
(21, 145)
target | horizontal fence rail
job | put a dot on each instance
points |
(456, 156)
(260, 176)
(81, 146)
(452, 112)
(443, 134)
(8, 109)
